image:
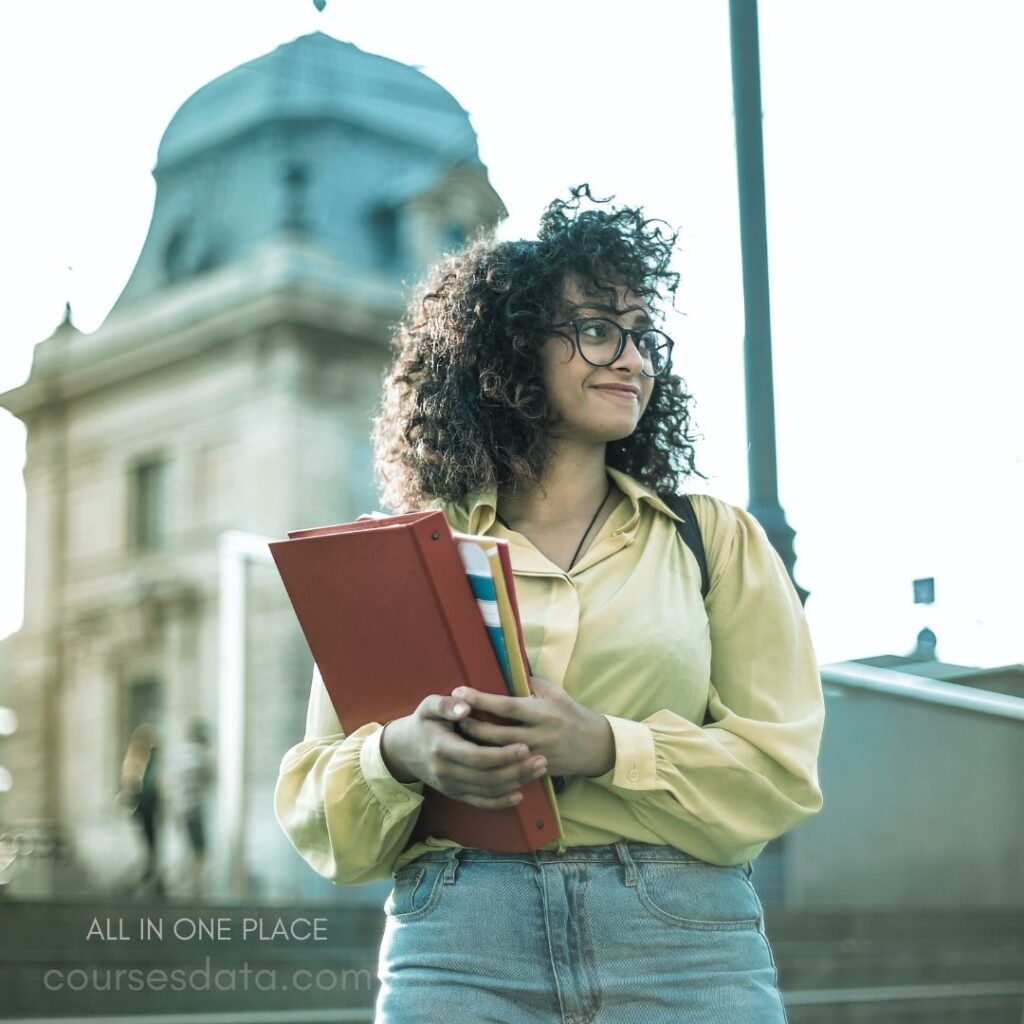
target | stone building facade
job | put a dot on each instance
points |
(230, 388)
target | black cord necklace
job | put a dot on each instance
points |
(585, 532)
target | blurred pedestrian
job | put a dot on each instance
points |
(140, 791)
(196, 777)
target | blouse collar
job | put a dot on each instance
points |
(477, 514)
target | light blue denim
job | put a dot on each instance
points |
(628, 933)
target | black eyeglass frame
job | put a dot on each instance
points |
(624, 332)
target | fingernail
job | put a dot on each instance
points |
(458, 691)
(459, 708)
(517, 797)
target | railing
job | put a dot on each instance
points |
(942, 755)
(854, 676)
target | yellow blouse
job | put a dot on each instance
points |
(626, 633)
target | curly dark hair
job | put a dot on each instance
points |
(464, 405)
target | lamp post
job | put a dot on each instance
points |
(757, 339)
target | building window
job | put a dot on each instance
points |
(147, 516)
(178, 253)
(143, 704)
(360, 493)
(384, 229)
(453, 237)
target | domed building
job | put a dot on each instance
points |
(226, 399)
(370, 159)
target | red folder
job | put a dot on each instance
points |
(390, 617)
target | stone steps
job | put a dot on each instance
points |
(989, 1003)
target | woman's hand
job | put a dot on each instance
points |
(575, 739)
(423, 746)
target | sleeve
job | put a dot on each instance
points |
(723, 790)
(336, 801)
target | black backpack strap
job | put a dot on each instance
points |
(690, 532)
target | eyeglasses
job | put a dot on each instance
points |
(600, 342)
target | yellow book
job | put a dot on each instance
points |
(509, 626)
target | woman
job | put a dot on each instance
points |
(531, 399)
(140, 790)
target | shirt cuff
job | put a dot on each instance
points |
(394, 795)
(635, 767)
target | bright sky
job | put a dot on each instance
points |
(893, 170)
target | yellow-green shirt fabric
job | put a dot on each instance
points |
(627, 634)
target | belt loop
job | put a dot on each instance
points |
(622, 849)
(451, 865)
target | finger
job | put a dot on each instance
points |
(452, 747)
(493, 804)
(520, 709)
(488, 732)
(440, 707)
(490, 781)
(545, 688)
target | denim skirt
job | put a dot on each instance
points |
(618, 934)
